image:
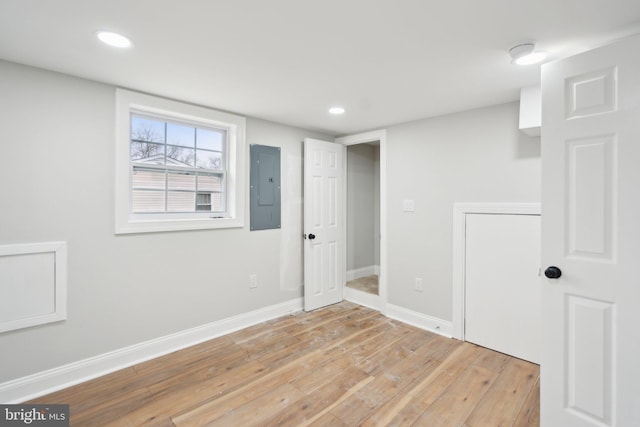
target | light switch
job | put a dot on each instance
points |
(408, 206)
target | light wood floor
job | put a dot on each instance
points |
(367, 284)
(344, 365)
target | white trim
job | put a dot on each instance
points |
(45, 382)
(362, 298)
(59, 250)
(460, 210)
(362, 138)
(357, 273)
(420, 320)
(126, 101)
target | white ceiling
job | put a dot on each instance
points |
(288, 61)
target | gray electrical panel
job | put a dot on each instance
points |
(265, 187)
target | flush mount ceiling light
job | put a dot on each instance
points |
(336, 110)
(526, 54)
(114, 39)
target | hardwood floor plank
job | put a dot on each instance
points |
(453, 406)
(337, 369)
(426, 390)
(342, 365)
(113, 408)
(269, 344)
(328, 420)
(307, 407)
(126, 422)
(529, 415)
(255, 412)
(504, 401)
(353, 410)
(492, 360)
(184, 397)
(255, 331)
(366, 354)
(186, 356)
(385, 351)
(346, 395)
(199, 372)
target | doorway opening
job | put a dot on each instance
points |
(363, 217)
(376, 141)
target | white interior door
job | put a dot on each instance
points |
(502, 285)
(323, 223)
(591, 232)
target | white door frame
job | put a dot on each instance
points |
(363, 138)
(460, 211)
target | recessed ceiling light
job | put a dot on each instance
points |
(114, 39)
(336, 110)
(526, 54)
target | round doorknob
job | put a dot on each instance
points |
(553, 272)
(312, 236)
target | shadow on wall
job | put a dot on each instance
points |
(527, 146)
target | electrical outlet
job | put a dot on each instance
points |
(253, 281)
(418, 285)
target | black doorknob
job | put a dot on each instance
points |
(553, 272)
(312, 236)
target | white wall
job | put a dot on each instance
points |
(362, 206)
(473, 156)
(376, 203)
(57, 184)
(57, 176)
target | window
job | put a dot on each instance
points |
(178, 166)
(175, 166)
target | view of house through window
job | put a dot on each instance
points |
(176, 167)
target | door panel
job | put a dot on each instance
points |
(591, 231)
(323, 254)
(589, 346)
(590, 190)
(502, 286)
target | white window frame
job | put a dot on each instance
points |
(127, 222)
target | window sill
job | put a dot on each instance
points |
(165, 225)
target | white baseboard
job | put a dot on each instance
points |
(362, 298)
(420, 320)
(357, 273)
(41, 383)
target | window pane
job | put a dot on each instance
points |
(203, 199)
(147, 152)
(147, 179)
(209, 183)
(181, 135)
(216, 202)
(147, 201)
(210, 139)
(181, 201)
(145, 129)
(177, 156)
(181, 181)
(203, 202)
(208, 160)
